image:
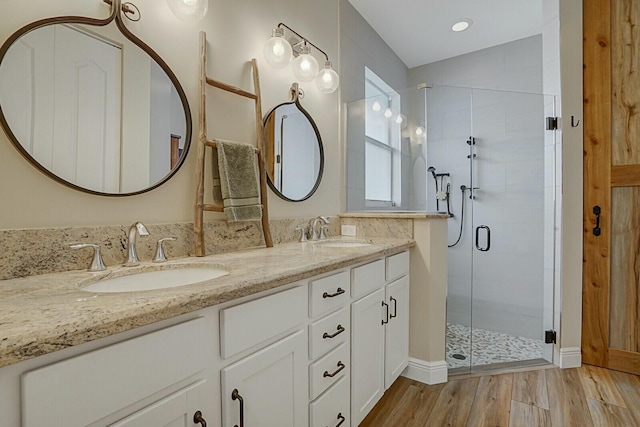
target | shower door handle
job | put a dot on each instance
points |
(486, 248)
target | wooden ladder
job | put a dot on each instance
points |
(203, 143)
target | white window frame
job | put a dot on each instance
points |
(393, 143)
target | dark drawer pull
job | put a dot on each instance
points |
(235, 395)
(199, 419)
(340, 368)
(341, 418)
(340, 330)
(339, 291)
(386, 307)
(395, 307)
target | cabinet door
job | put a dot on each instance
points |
(271, 386)
(367, 354)
(397, 330)
(176, 410)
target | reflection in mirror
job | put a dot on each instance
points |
(294, 152)
(92, 109)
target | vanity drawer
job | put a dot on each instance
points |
(332, 408)
(248, 324)
(367, 278)
(328, 293)
(328, 370)
(329, 332)
(397, 266)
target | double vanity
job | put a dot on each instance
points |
(295, 335)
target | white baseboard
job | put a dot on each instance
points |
(426, 372)
(570, 357)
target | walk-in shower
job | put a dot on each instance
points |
(484, 157)
(500, 236)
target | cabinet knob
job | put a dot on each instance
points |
(199, 419)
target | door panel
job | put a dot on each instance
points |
(611, 278)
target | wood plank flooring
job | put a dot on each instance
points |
(582, 397)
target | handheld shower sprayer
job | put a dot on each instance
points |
(432, 170)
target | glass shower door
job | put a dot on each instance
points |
(512, 250)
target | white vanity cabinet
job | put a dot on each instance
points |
(315, 353)
(268, 386)
(329, 350)
(380, 330)
(162, 371)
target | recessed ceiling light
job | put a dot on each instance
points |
(461, 25)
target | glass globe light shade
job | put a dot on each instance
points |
(277, 50)
(189, 10)
(388, 113)
(305, 66)
(376, 106)
(401, 120)
(327, 80)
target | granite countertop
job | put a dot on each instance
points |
(45, 313)
(396, 214)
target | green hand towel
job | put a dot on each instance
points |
(235, 180)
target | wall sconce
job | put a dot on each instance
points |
(189, 10)
(278, 52)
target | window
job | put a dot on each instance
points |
(382, 143)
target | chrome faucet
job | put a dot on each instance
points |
(315, 235)
(132, 256)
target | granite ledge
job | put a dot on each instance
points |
(46, 313)
(395, 215)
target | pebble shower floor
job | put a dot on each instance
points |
(488, 347)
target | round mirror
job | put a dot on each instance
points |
(92, 106)
(294, 153)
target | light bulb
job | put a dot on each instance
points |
(327, 80)
(189, 10)
(305, 66)
(376, 106)
(388, 113)
(419, 131)
(399, 119)
(277, 50)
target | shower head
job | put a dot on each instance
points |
(432, 170)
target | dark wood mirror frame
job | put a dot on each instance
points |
(118, 11)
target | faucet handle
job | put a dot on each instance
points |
(97, 263)
(303, 234)
(160, 255)
(324, 232)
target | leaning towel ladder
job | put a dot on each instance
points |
(203, 143)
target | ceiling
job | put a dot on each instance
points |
(419, 31)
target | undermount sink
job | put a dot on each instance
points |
(159, 279)
(342, 243)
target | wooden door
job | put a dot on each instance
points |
(611, 276)
(270, 384)
(367, 354)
